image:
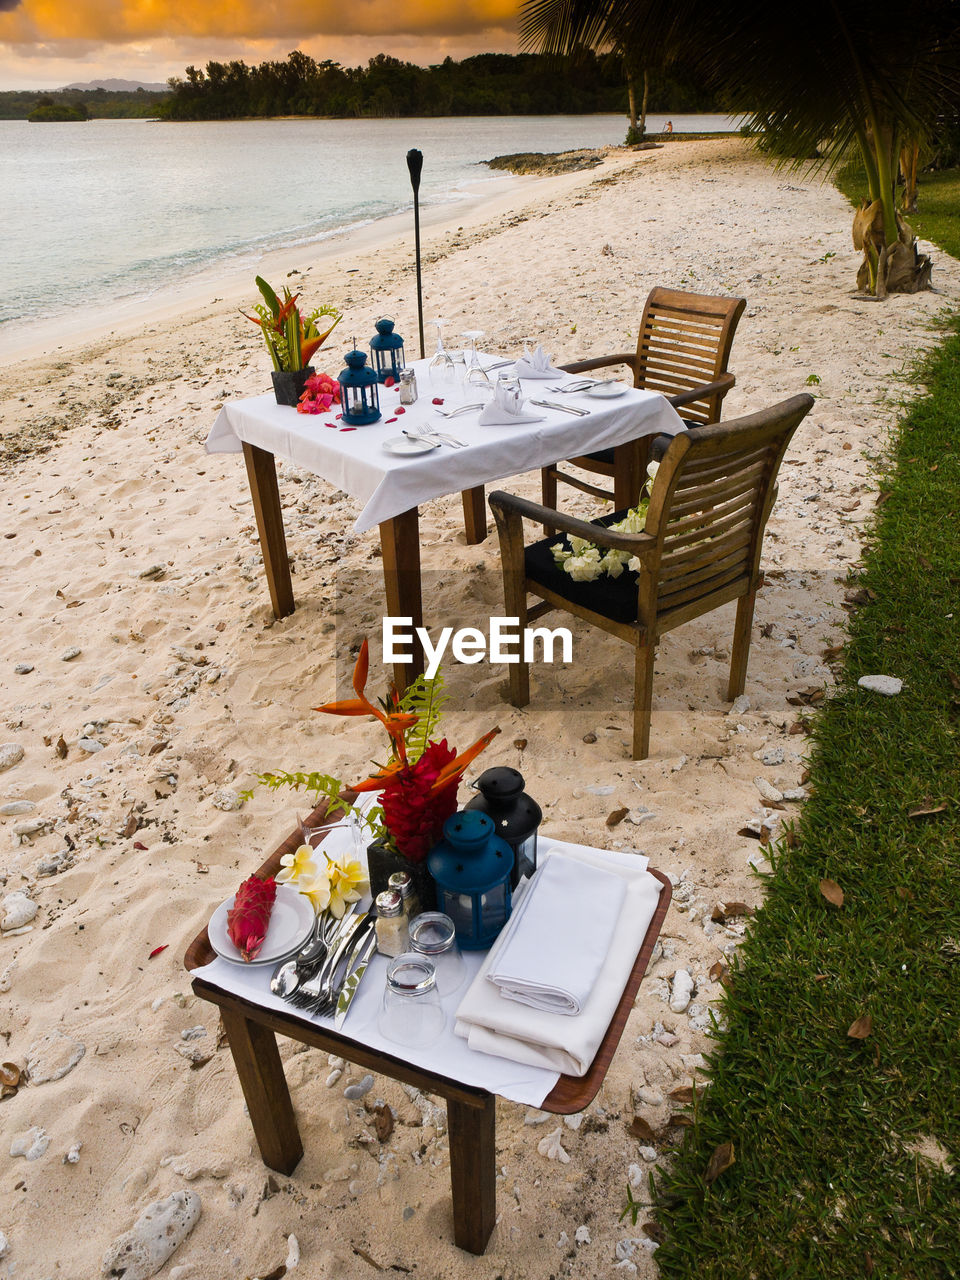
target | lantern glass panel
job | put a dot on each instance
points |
(459, 907)
(493, 909)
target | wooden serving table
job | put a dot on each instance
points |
(252, 1031)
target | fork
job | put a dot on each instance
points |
(426, 430)
(574, 387)
(325, 990)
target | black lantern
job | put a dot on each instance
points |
(359, 400)
(516, 817)
(386, 350)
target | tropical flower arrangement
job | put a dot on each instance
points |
(417, 784)
(320, 394)
(329, 885)
(291, 336)
(585, 562)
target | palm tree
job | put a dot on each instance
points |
(828, 78)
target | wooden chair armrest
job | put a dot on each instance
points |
(722, 385)
(509, 510)
(600, 362)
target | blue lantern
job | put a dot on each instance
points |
(359, 400)
(471, 866)
(386, 351)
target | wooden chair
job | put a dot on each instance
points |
(700, 549)
(682, 351)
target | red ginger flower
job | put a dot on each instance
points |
(413, 812)
(249, 917)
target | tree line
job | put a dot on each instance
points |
(81, 104)
(488, 84)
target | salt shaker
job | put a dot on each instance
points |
(392, 936)
(401, 882)
(408, 386)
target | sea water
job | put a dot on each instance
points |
(113, 210)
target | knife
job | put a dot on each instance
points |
(564, 408)
(356, 967)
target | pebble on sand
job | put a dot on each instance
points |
(155, 1236)
(11, 753)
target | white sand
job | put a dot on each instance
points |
(192, 687)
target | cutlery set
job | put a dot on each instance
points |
(323, 978)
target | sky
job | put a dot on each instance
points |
(48, 43)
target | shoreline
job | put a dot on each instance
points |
(148, 684)
(231, 279)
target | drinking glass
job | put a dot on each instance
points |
(441, 369)
(432, 934)
(476, 381)
(410, 1011)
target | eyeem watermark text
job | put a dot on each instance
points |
(505, 643)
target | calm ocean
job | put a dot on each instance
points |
(120, 209)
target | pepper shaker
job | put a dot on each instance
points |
(392, 936)
(402, 883)
(408, 386)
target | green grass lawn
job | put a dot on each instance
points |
(827, 1129)
(938, 204)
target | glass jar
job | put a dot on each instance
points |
(410, 1011)
(392, 936)
(433, 935)
(408, 386)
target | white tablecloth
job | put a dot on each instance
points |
(389, 485)
(451, 1056)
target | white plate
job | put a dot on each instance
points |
(405, 445)
(291, 922)
(606, 390)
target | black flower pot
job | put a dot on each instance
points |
(288, 384)
(382, 862)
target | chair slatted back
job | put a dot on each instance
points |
(685, 341)
(709, 507)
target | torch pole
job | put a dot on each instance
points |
(415, 165)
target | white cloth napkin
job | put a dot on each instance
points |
(536, 365)
(510, 1030)
(558, 936)
(506, 407)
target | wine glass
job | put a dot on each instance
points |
(476, 380)
(441, 369)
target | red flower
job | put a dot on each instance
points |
(249, 917)
(413, 813)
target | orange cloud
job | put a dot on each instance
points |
(50, 22)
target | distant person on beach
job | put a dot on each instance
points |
(668, 127)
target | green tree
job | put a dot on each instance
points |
(818, 82)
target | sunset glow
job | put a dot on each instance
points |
(43, 40)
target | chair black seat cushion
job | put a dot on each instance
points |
(614, 598)
(657, 449)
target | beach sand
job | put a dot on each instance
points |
(190, 686)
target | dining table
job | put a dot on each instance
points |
(382, 466)
(467, 1079)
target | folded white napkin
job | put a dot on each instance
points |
(535, 365)
(558, 936)
(507, 1029)
(506, 407)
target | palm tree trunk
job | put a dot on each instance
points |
(646, 95)
(632, 103)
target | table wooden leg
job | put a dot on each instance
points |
(474, 515)
(262, 476)
(472, 1134)
(257, 1060)
(400, 545)
(628, 473)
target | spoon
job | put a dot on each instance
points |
(286, 977)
